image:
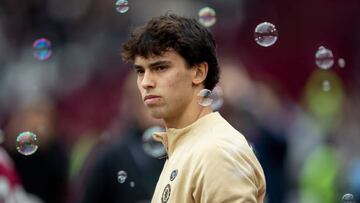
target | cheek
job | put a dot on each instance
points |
(179, 87)
(138, 82)
(181, 80)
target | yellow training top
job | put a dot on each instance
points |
(208, 162)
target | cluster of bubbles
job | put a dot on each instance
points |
(42, 49)
(207, 16)
(122, 176)
(348, 198)
(265, 34)
(122, 6)
(26, 143)
(150, 146)
(324, 59)
(212, 98)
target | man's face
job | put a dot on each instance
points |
(165, 83)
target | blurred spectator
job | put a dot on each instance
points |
(125, 153)
(319, 176)
(256, 110)
(43, 173)
(11, 189)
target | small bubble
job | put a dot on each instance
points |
(122, 175)
(42, 49)
(150, 146)
(217, 96)
(265, 34)
(26, 143)
(207, 16)
(324, 58)
(348, 198)
(205, 97)
(341, 63)
(132, 184)
(122, 6)
(326, 86)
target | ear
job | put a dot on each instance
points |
(199, 73)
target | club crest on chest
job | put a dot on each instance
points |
(173, 174)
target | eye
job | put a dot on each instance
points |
(160, 68)
(139, 71)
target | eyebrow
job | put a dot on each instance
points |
(157, 63)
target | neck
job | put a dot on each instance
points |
(187, 117)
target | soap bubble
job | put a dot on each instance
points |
(207, 16)
(26, 143)
(265, 34)
(348, 198)
(324, 58)
(150, 146)
(217, 97)
(326, 86)
(205, 97)
(122, 6)
(42, 49)
(122, 175)
(341, 62)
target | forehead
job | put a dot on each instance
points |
(169, 56)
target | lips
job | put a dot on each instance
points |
(151, 100)
(147, 97)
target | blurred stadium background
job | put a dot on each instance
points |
(306, 137)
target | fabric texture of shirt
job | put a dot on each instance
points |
(208, 162)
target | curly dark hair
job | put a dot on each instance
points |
(172, 32)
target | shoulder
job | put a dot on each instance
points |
(228, 155)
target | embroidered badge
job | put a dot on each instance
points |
(173, 174)
(166, 194)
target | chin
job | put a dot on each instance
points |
(156, 114)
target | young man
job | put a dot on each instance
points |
(208, 160)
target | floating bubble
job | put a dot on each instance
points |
(207, 16)
(205, 97)
(324, 58)
(26, 143)
(42, 49)
(217, 96)
(341, 63)
(132, 184)
(348, 198)
(122, 175)
(122, 6)
(326, 86)
(265, 34)
(150, 146)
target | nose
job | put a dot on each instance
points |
(147, 81)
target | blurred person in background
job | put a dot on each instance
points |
(11, 188)
(123, 151)
(43, 173)
(208, 160)
(254, 108)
